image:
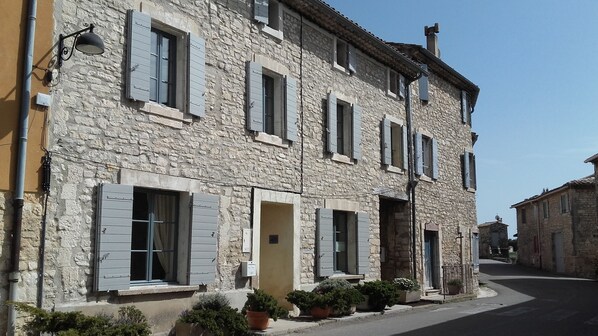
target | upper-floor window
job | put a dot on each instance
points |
(344, 128)
(465, 108)
(164, 65)
(545, 209)
(395, 84)
(424, 84)
(564, 203)
(523, 216)
(345, 57)
(426, 155)
(269, 12)
(394, 143)
(469, 170)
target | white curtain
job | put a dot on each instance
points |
(164, 229)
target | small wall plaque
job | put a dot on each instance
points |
(273, 239)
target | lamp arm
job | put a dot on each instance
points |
(64, 50)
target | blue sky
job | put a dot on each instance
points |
(535, 64)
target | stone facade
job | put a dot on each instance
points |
(98, 136)
(556, 230)
(493, 239)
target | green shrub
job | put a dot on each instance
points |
(224, 321)
(331, 284)
(214, 301)
(302, 299)
(406, 284)
(129, 322)
(343, 299)
(380, 293)
(261, 301)
(455, 282)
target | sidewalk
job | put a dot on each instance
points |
(286, 326)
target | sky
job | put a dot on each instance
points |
(535, 62)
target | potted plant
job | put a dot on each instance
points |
(407, 289)
(379, 294)
(343, 296)
(211, 316)
(260, 307)
(313, 303)
(454, 286)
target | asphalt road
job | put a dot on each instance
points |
(529, 302)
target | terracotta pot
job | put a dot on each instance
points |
(319, 312)
(258, 320)
(454, 290)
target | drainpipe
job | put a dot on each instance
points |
(14, 275)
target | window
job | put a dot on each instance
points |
(465, 108)
(394, 146)
(163, 69)
(545, 209)
(269, 12)
(536, 245)
(523, 216)
(153, 232)
(343, 242)
(396, 84)
(564, 203)
(424, 95)
(426, 156)
(469, 171)
(139, 234)
(344, 128)
(272, 102)
(344, 56)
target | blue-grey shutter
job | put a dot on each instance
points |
(363, 243)
(204, 239)
(332, 123)
(352, 59)
(401, 86)
(113, 237)
(466, 176)
(260, 11)
(464, 107)
(386, 142)
(474, 180)
(139, 27)
(419, 159)
(255, 108)
(405, 148)
(291, 108)
(196, 83)
(423, 85)
(356, 132)
(324, 242)
(434, 159)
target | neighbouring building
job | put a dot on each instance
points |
(558, 229)
(225, 146)
(494, 239)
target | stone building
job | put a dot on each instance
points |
(224, 146)
(557, 230)
(494, 238)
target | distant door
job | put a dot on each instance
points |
(559, 257)
(429, 256)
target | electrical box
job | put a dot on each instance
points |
(43, 99)
(248, 269)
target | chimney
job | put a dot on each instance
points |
(432, 39)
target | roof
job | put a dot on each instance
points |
(592, 159)
(490, 223)
(332, 20)
(584, 182)
(439, 67)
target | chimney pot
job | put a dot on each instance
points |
(432, 39)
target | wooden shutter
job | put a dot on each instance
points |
(113, 237)
(419, 159)
(423, 85)
(255, 109)
(472, 172)
(401, 86)
(204, 239)
(356, 145)
(260, 11)
(196, 71)
(466, 176)
(464, 107)
(405, 148)
(352, 58)
(386, 142)
(332, 123)
(291, 108)
(363, 243)
(434, 159)
(324, 242)
(139, 27)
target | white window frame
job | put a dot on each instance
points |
(344, 54)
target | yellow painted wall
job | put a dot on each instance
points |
(276, 260)
(13, 18)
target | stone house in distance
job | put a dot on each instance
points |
(557, 230)
(494, 238)
(225, 146)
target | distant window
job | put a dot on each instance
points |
(427, 155)
(536, 247)
(342, 53)
(396, 84)
(545, 209)
(564, 203)
(344, 128)
(523, 216)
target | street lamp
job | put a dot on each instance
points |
(88, 43)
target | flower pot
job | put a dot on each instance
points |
(409, 296)
(454, 289)
(319, 312)
(258, 320)
(190, 329)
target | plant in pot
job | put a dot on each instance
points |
(313, 303)
(379, 294)
(343, 296)
(454, 286)
(407, 289)
(211, 315)
(260, 307)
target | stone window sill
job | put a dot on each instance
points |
(347, 276)
(426, 178)
(271, 139)
(471, 190)
(340, 68)
(396, 170)
(166, 115)
(158, 289)
(342, 159)
(276, 34)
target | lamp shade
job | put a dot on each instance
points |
(90, 44)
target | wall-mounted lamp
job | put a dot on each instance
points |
(88, 43)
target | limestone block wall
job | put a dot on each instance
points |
(585, 233)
